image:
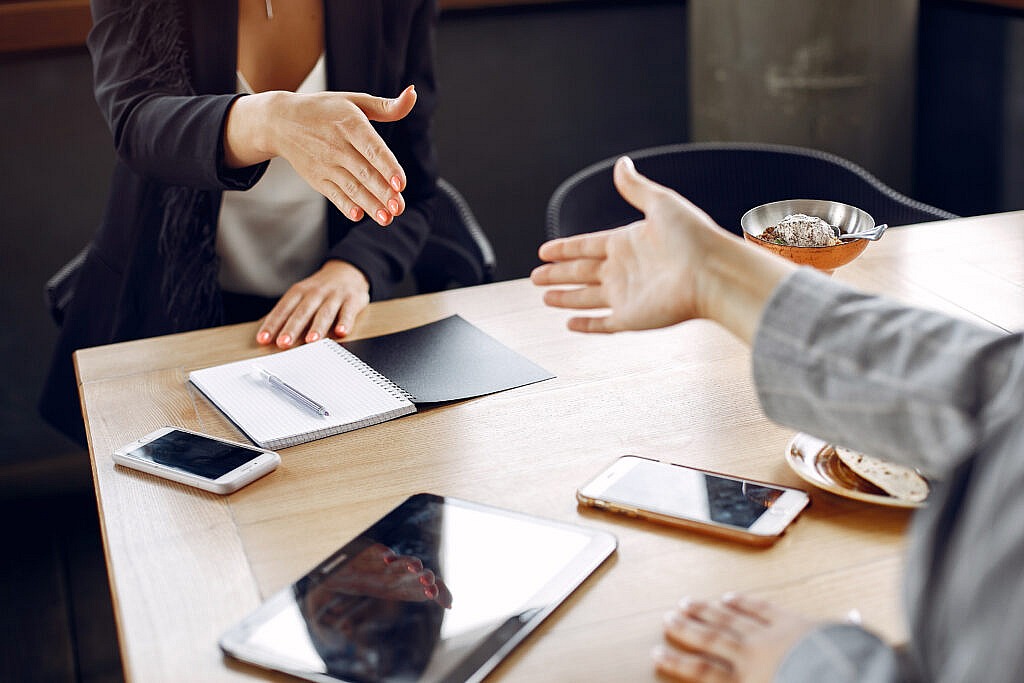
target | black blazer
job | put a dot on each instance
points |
(165, 139)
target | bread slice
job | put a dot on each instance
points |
(896, 480)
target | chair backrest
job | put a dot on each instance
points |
(727, 179)
(457, 252)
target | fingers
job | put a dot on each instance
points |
(688, 666)
(755, 608)
(576, 272)
(580, 298)
(336, 149)
(323, 318)
(272, 328)
(634, 188)
(356, 197)
(590, 246)
(717, 629)
(690, 632)
(598, 325)
(386, 108)
(334, 295)
(444, 596)
(357, 182)
(717, 615)
(378, 155)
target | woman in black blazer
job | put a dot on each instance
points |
(166, 79)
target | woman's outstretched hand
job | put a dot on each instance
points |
(328, 140)
(675, 264)
(645, 273)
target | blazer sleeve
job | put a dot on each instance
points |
(161, 129)
(385, 255)
(842, 653)
(900, 383)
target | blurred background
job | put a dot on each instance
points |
(928, 95)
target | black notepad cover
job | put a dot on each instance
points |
(446, 360)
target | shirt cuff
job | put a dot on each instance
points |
(839, 653)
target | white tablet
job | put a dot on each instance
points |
(439, 589)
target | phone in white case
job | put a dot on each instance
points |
(199, 460)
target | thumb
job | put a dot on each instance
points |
(634, 187)
(386, 108)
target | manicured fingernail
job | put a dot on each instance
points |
(393, 206)
(383, 216)
(355, 214)
(312, 337)
(284, 340)
(340, 330)
(396, 183)
(263, 337)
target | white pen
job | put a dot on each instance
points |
(290, 391)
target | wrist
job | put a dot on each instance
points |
(735, 284)
(355, 277)
(249, 134)
(711, 280)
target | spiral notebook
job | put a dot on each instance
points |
(354, 394)
(372, 381)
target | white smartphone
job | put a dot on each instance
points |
(731, 507)
(196, 459)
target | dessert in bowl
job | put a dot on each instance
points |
(782, 227)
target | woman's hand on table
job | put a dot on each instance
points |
(328, 140)
(327, 302)
(732, 639)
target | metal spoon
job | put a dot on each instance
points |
(872, 234)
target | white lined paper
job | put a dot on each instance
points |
(354, 394)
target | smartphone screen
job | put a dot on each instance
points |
(195, 454)
(692, 494)
(667, 492)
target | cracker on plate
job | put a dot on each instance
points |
(896, 480)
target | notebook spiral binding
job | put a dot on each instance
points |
(374, 376)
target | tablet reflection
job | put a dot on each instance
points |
(430, 593)
(375, 612)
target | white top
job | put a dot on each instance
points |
(274, 234)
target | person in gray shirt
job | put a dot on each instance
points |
(915, 387)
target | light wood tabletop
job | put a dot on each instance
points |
(185, 565)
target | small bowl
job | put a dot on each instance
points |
(827, 259)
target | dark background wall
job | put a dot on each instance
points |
(528, 96)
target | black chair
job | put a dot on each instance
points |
(727, 179)
(457, 252)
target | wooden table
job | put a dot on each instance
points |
(185, 565)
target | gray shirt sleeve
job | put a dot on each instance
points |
(903, 384)
(933, 392)
(840, 653)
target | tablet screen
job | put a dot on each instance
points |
(438, 590)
